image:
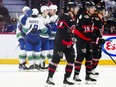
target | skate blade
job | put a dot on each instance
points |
(43, 70)
(36, 70)
(90, 82)
(94, 76)
(49, 85)
(23, 70)
(66, 85)
(77, 82)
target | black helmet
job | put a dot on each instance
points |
(72, 5)
(89, 4)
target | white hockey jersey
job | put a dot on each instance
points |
(33, 23)
(45, 21)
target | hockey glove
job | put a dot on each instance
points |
(101, 41)
(28, 13)
(22, 43)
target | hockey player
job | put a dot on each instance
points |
(32, 26)
(53, 29)
(20, 36)
(84, 31)
(64, 44)
(44, 36)
(98, 27)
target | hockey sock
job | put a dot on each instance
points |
(88, 65)
(52, 69)
(68, 69)
(22, 56)
(77, 67)
(95, 62)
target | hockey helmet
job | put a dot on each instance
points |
(25, 8)
(72, 5)
(35, 11)
(53, 7)
(89, 4)
(43, 8)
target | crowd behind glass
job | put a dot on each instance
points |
(8, 24)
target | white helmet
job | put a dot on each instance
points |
(43, 8)
(53, 7)
(25, 8)
(35, 11)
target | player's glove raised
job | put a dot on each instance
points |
(28, 13)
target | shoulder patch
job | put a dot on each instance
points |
(86, 16)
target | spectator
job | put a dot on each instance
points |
(109, 4)
(12, 27)
(2, 24)
(110, 27)
(4, 12)
(113, 29)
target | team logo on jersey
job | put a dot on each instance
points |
(86, 16)
(83, 50)
(96, 18)
(60, 54)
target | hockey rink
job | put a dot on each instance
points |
(10, 76)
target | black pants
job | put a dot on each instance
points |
(84, 50)
(96, 55)
(69, 53)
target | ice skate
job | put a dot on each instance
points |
(95, 74)
(90, 80)
(43, 68)
(49, 82)
(37, 67)
(66, 81)
(22, 67)
(31, 67)
(77, 80)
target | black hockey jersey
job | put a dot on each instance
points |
(84, 27)
(98, 24)
(63, 31)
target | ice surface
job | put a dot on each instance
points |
(11, 77)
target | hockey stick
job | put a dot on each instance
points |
(16, 47)
(109, 55)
